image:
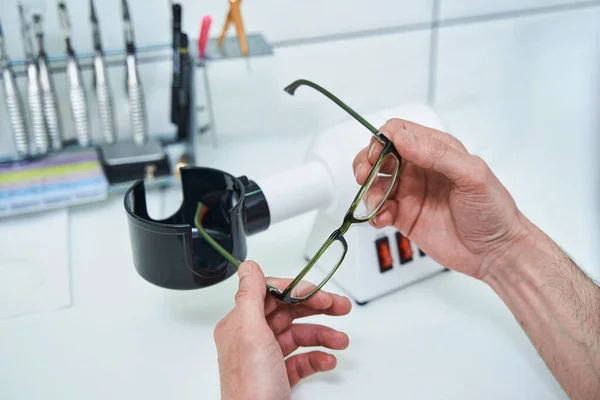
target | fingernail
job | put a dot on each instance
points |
(410, 138)
(357, 171)
(244, 269)
(371, 150)
(371, 204)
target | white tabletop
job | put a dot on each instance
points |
(445, 338)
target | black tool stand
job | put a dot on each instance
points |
(170, 253)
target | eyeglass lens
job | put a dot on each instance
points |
(318, 273)
(374, 196)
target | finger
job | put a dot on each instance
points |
(386, 215)
(251, 293)
(283, 316)
(320, 300)
(359, 164)
(310, 335)
(433, 154)
(302, 366)
(393, 126)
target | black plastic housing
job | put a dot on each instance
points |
(171, 254)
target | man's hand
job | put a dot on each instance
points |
(255, 338)
(451, 205)
(446, 200)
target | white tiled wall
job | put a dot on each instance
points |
(367, 73)
(371, 53)
(280, 20)
(510, 78)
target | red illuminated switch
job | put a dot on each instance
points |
(404, 248)
(384, 254)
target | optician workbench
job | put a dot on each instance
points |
(449, 337)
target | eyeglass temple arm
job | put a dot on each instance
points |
(291, 88)
(200, 212)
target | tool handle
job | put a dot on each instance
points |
(204, 32)
(136, 101)
(36, 109)
(78, 102)
(138, 113)
(16, 114)
(105, 107)
(239, 26)
(105, 101)
(50, 105)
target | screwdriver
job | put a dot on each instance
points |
(49, 99)
(101, 83)
(14, 103)
(34, 92)
(134, 85)
(77, 97)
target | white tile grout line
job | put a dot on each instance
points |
(422, 26)
(517, 13)
(433, 53)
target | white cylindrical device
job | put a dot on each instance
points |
(294, 192)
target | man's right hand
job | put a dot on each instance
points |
(446, 200)
(451, 205)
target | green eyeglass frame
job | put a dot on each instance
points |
(349, 218)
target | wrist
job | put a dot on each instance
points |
(528, 246)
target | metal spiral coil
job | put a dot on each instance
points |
(52, 121)
(138, 113)
(38, 123)
(105, 106)
(17, 123)
(80, 115)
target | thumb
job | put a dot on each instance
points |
(429, 152)
(252, 288)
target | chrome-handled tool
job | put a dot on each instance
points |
(14, 103)
(41, 143)
(77, 97)
(101, 83)
(49, 99)
(134, 84)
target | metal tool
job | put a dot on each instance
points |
(134, 84)
(176, 83)
(235, 16)
(101, 83)
(34, 92)
(77, 97)
(14, 103)
(49, 99)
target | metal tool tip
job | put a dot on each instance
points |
(125, 9)
(93, 11)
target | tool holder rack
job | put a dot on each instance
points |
(155, 65)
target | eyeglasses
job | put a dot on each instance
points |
(371, 196)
